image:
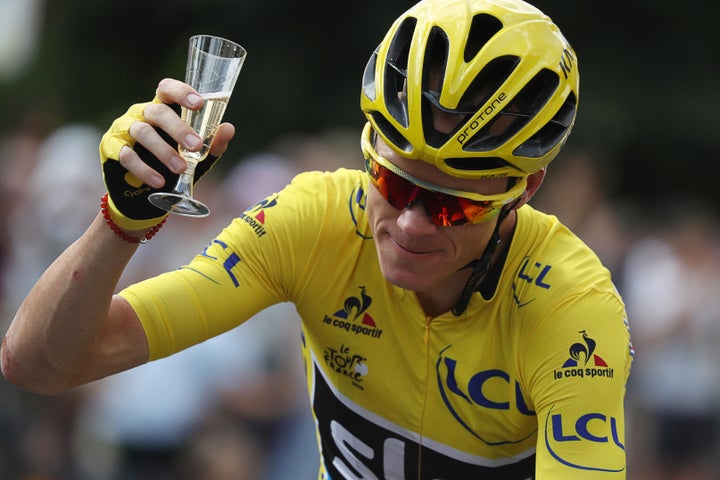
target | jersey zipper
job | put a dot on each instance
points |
(428, 319)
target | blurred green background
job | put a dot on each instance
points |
(649, 74)
(648, 102)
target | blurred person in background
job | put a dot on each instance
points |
(52, 208)
(449, 330)
(20, 26)
(124, 427)
(240, 390)
(19, 155)
(670, 284)
(578, 193)
(45, 172)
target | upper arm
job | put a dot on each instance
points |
(120, 345)
(579, 372)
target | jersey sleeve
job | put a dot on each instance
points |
(577, 365)
(253, 263)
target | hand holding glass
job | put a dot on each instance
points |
(213, 67)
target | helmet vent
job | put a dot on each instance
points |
(552, 133)
(368, 84)
(483, 86)
(487, 83)
(473, 164)
(533, 97)
(482, 29)
(391, 133)
(435, 61)
(434, 65)
(517, 114)
(396, 71)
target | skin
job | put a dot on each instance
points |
(416, 254)
(71, 329)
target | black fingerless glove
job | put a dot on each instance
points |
(128, 203)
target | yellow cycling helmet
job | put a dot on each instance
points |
(500, 69)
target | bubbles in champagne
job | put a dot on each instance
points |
(205, 122)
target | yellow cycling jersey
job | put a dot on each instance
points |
(526, 384)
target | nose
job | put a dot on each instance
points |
(415, 220)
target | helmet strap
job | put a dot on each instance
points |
(481, 266)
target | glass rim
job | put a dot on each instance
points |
(232, 43)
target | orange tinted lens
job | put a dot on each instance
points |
(444, 209)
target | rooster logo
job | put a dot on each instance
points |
(258, 210)
(355, 307)
(584, 352)
(353, 317)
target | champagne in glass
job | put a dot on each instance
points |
(205, 122)
(213, 66)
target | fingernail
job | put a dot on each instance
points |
(192, 140)
(193, 99)
(157, 181)
(177, 164)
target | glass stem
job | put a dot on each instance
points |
(184, 185)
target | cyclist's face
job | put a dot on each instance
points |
(415, 253)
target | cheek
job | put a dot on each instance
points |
(471, 240)
(377, 207)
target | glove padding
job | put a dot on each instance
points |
(128, 203)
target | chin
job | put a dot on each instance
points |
(412, 280)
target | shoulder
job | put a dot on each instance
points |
(543, 240)
(312, 202)
(567, 309)
(315, 181)
(553, 274)
(559, 283)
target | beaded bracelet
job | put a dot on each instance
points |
(119, 232)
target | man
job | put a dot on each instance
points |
(449, 329)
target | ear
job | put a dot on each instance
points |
(533, 183)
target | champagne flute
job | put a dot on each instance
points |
(213, 66)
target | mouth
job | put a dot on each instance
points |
(410, 249)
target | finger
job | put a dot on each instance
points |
(147, 136)
(141, 170)
(223, 135)
(174, 91)
(165, 118)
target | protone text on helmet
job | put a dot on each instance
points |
(480, 118)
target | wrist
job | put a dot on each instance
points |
(128, 224)
(129, 234)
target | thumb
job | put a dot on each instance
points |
(223, 135)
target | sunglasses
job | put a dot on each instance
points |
(445, 206)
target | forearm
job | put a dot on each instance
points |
(59, 337)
